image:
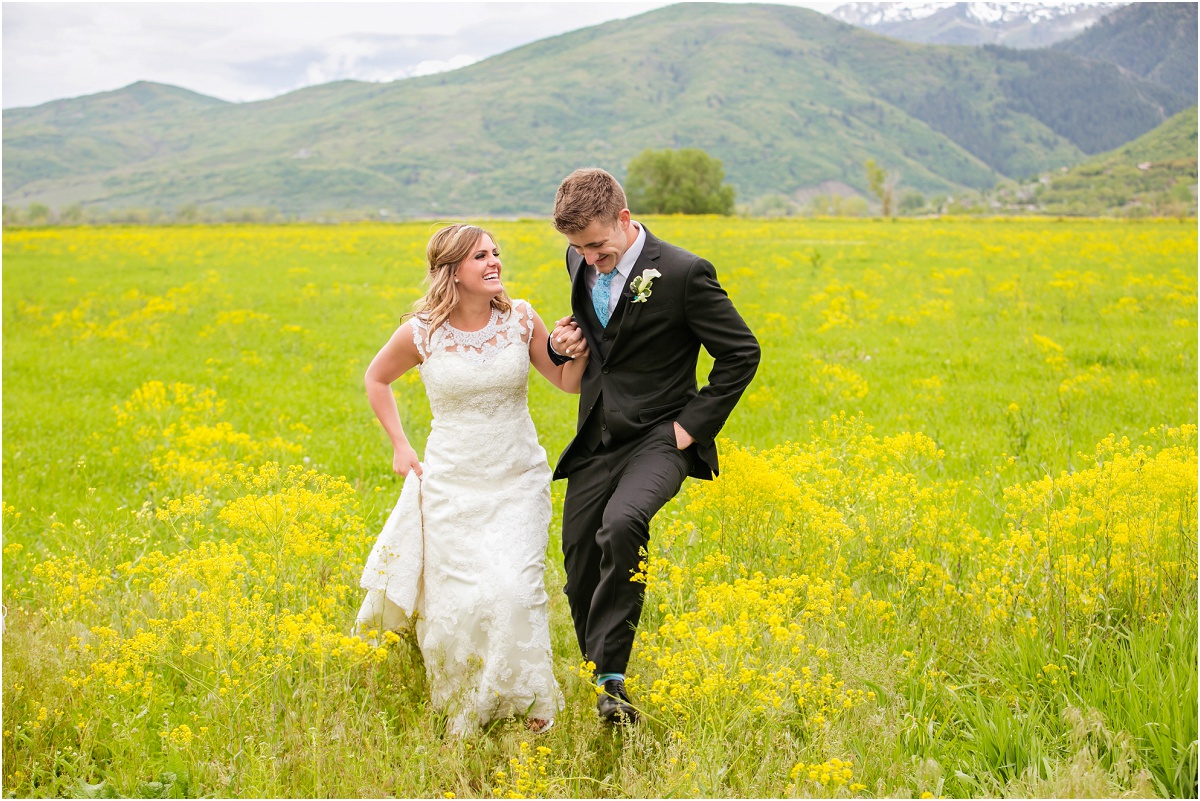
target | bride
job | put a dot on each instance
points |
(464, 550)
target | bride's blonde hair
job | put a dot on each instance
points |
(446, 250)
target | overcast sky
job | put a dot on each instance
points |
(252, 51)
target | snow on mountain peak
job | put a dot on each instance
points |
(868, 14)
(987, 14)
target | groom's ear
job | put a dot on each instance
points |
(623, 218)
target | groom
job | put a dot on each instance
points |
(644, 307)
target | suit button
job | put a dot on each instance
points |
(604, 370)
(604, 426)
(605, 337)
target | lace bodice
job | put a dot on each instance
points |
(477, 376)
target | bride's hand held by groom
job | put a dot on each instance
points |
(567, 339)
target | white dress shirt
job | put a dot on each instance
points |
(624, 267)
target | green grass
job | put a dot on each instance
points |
(1015, 346)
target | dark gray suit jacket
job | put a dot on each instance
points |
(642, 369)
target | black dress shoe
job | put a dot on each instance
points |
(613, 704)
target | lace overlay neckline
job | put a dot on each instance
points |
(502, 331)
(474, 339)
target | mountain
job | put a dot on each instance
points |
(787, 98)
(1019, 25)
(1156, 41)
(56, 138)
(1174, 140)
(1154, 174)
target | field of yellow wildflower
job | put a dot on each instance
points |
(952, 551)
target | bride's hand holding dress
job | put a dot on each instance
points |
(395, 359)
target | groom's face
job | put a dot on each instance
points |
(602, 244)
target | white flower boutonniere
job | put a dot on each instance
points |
(641, 285)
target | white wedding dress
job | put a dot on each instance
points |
(464, 550)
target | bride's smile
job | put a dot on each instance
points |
(479, 273)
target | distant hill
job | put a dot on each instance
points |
(1156, 41)
(61, 139)
(1020, 25)
(1154, 174)
(787, 98)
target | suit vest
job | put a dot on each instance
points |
(594, 429)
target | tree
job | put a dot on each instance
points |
(883, 185)
(912, 202)
(188, 213)
(71, 215)
(773, 205)
(38, 213)
(687, 181)
(837, 206)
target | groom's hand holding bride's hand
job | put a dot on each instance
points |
(405, 459)
(566, 339)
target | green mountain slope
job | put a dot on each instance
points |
(98, 132)
(786, 97)
(1154, 174)
(1174, 140)
(1154, 40)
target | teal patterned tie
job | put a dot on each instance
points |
(600, 296)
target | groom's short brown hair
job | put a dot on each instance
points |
(584, 196)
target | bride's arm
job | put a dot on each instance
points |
(567, 376)
(394, 359)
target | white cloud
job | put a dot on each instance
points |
(434, 67)
(379, 59)
(253, 51)
(341, 60)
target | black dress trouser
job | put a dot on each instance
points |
(612, 493)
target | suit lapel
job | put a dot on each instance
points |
(585, 313)
(626, 308)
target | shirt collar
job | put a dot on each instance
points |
(625, 265)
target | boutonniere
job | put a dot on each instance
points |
(641, 285)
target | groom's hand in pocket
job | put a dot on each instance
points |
(683, 439)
